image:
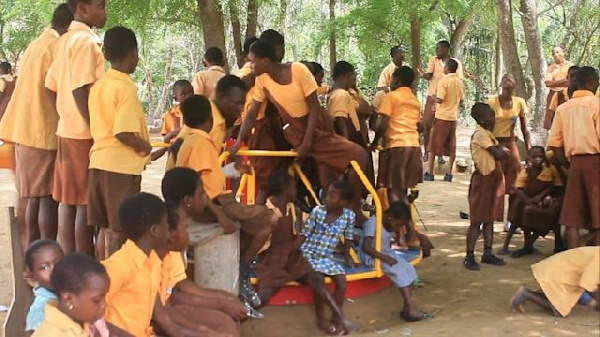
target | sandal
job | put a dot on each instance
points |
(521, 252)
(411, 319)
(492, 259)
(471, 264)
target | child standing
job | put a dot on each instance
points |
(173, 121)
(486, 185)
(450, 95)
(341, 104)
(40, 258)
(205, 82)
(318, 240)
(78, 64)
(7, 86)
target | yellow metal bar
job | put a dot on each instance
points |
(160, 144)
(306, 183)
(251, 192)
(243, 183)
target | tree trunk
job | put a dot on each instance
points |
(498, 68)
(415, 45)
(281, 16)
(458, 35)
(510, 54)
(251, 18)
(332, 40)
(236, 27)
(164, 93)
(211, 18)
(536, 58)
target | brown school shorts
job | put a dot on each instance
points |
(581, 207)
(442, 140)
(484, 192)
(34, 171)
(71, 171)
(107, 192)
(404, 167)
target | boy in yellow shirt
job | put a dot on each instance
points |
(205, 82)
(172, 121)
(340, 104)
(121, 147)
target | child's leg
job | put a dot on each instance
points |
(522, 295)
(559, 244)
(32, 228)
(256, 242)
(84, 234)
(488, 240)
(572, 237)
(198, 319)
(339, 295)
(265, 294)
(397, 195)
(66, 227)
(47, 217)
(431, 163)
(452, 159)
(472, 235)
(322, 295)
(511, 232)
(410, 309)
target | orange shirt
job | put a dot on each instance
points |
(115, 108)
(557, 72)
(452, 90)
(245, 70)
(248, 105)
(436, 66)
(200, 153)
(219, 128)
(576, 125)
(205, 82)
(323, 90)
(172, 272)
(57, 324)
(341, 104)
(292, 97)
(481, 140)
(549, 174)
(404, 110)
(30, 117)
(134, 284)
(506, 119)
(173, 120)
(79, 62)
(385, 78)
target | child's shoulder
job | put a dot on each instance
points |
(349, 214)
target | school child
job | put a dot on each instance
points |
(563, 278)
(275, 39)
(400, 111)
(318, 240)
(246, 68)
(121, 147)
(402, 273)
(80, 283)
(292, 89)
(30, 122)
(566, 93)
(485, 187)
(537, 203)
(385, 78)
(340, 104)
(450, 94)
(205, 81)
(575, 136)
(7, 86)
(172, 121)
(40, 258)
(78, 64)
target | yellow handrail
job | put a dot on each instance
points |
(306, 182)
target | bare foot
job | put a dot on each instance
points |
(518, 299)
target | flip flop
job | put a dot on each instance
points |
(411, 319)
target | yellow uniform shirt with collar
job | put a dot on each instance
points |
(172, 120)
(435, 66)
(31, 118)
(115, 108)
(205, 82)
(404, 110)
(549, 173)
(57, 324)
(506, 119)
(341, 104)
(481, 140)
(219, 128)
(244, 71)
(172, 272)
(452, 91)
(134, 285)
(385, 78)
(557, 72)
(79, 62)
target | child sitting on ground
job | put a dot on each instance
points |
(394, 265)
(173, 121)
(40, 258)
(536, 208)
(563, 278)
(318, 240)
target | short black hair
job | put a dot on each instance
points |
(273, 37)
(584, 75)
(278, 181)
(72, 273)
(481, 110)
(444, 43)
(118, 43)
(214, 55)
(317, 68)
(308, 65)
(196, 111)
(74, 3)
(62, 16)
(181, 83)
(5, 67)
(542, 150)
(344, 188)
(395, 49)
(249, 41)
(172, 214)
(452, 65)
(405, 76)
(37, 246)
(179, 183)
(228, 82)
(341, 68)
(263, 49)
(400, 210)
(139, 212)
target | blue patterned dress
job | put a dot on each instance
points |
(322, 238)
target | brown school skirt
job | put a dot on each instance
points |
(71, 171)
(442, 141)
(107, 192)
(34, 171)
(483, 194)
(581, 208)
(404, 167)
(267, 135)
(549, 116)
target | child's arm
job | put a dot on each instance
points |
(172, 134)
(247, 125)
(368, 248)
(526, 135)
(193, 295)
(184, 329)
(115, 331)
(497, 151)
(81, 96)
(228, 225)
(383, 126)
(158, 153)
(130, 139)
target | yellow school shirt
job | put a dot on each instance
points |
(134, 284)
(173, 120)
(244, 71)
(323, 90)
(205, 82)
(291, 97)
(436, 66)
(554, 100)
(564, 276)
(172, 272)
(4, 79)
(506, 119)
(248, 104)
(79, 62)
(219, 128)
(481, 140)
(341, 104)
(57, 324)
(404, 110)
(31, 118)
(115, 108)
(200, 153)
(557, 72)
(576, 125)
(549, 174)
(385, 78)
(452, 90)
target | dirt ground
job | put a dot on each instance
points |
(465, 303)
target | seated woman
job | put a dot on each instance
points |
(538, 201)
